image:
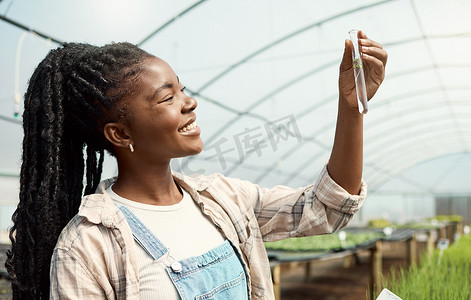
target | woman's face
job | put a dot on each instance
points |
(162, 117)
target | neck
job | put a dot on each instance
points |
(147, 184)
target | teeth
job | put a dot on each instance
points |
(188, 127)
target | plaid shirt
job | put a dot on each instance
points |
(95, 256)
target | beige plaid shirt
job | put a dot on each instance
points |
(95, 257)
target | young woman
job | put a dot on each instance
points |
(150, 233)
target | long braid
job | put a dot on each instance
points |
(72, 94)
(93, 170)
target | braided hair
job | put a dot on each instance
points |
(72, 94)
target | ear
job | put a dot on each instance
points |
(118, 134)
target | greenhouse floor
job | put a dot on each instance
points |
(331, 280)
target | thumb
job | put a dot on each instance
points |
(347, 60)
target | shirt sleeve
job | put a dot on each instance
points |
(69, 279)
(324, 207)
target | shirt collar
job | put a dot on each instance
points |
(99, 208)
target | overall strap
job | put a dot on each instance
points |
(143, 235)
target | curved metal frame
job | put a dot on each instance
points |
(455, 117)
(180, 14)
(411, 152)
(282, 39)
(383, 175)
(412, 135)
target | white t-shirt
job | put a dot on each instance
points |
(182, 228)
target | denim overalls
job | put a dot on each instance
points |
(216, 274)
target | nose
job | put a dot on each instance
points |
(189, 105)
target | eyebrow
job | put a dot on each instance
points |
(166, 85)
(161, 88)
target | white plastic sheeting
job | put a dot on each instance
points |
(265, 75)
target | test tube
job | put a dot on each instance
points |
(358, 73)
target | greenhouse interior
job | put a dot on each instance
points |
(265, 75)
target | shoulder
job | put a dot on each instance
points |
(99, 229)
(78, 245)
(84, 241)
(95, 256)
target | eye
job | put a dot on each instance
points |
(166, 100)
(171, 97)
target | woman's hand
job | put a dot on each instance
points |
(374, 62)
(346, 160)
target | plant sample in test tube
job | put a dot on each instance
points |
(358, 73)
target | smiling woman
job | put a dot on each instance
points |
(162, 116)
(151, 233)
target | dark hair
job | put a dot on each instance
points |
(72, 94)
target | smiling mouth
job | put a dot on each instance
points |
(188, 127)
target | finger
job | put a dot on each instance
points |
(362, 36)
(363, 40)
(347, 56)
(374, 63)
(369, 43)
(381, 54)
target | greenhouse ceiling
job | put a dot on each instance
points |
(265, 76)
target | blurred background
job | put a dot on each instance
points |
(265, 75)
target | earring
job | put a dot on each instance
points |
(131, 148)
